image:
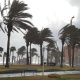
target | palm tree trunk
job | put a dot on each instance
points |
(8, 45)
(69, 54)
(72, 56)
(30, 54)
(41, 54)
(27, 56)
(62, 54)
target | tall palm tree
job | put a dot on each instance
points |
(66, 33)
(15, 20)
(12, 49)
(74, 39)
(63, 33)
(50, 46)
(44, 35)
(30, 38)
(32, 35)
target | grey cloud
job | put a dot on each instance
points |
(75, 2)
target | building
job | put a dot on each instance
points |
(76, 56)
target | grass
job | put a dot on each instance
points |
(40, 78)
(39, 68)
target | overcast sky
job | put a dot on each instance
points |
(46, 13)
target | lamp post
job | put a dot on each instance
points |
(43, 61)
(71, 20)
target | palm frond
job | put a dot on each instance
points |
(49, 40)
(15, 30)
(17, 7)
(6, 30)
(22, 25)
(26, 21)
(23, 15)
(21, 31)
(2, 12)
(46, 32)
(2, 28)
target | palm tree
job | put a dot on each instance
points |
(74, 39)
(32, 35)
(15, 20)
(12, 49)
(62, 37)
(66, 33)
(21, 51)
(4, 55)
(33, 52)
(1, 49)
(30, 38)
(44, 35)
(50, 46)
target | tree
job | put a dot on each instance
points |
(15, 20)
(50, 46)
(4, 55)
(44, 35)
(32, 35)
(21, 51)
(74, 39)
(12, 49)
(33, 53)
(30, 38)
(67, 34)
(63, 34)
(1, 49)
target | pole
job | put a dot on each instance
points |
(43, 63)
(71, 20)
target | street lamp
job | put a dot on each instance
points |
(43, 61)
(71, 20)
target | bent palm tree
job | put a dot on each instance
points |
(50, 46)
(65, 36)
(21, 52)
(32, 35)
(74, 39)
(12, 49)
(15, 21)
(30, 38)
(43, 36)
